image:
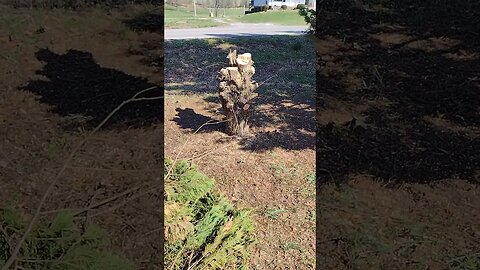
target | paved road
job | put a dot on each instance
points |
(234, 30)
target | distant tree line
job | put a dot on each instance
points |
(75, 3)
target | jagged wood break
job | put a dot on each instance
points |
(236, 92)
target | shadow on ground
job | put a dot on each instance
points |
(194, 122)
(283, 116)
(293, 136)
(147, 22)
(413, 93)
(76, 85)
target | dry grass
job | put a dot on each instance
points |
(113, 179)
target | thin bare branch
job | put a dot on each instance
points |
(29, 228)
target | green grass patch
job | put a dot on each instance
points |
(202, 228)
(274, 213)
(291, 246)
(311, 178)
(57, 244)
(466, 261)
(182, 17)
(283, 17)
(311, 216)
(279, 169)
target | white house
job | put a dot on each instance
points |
(288, 3)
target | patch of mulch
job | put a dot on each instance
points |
(394, 75)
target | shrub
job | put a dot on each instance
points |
(58, 245)
(301, 6)
(284, 7)
(264, 7)
(310, 18)
(201, 227)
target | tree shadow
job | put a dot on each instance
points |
(283, 138)
(76, 85)
(294, 136)
(291, 127)
(190, 120)
(414, 96)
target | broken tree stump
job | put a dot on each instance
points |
(236, 92)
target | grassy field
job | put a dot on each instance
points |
(182, 17)
(272, 172)
(284, 17)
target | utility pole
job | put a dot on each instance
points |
(194, 8)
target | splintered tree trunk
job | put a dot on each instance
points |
(236, 92)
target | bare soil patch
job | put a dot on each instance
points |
(273, 171)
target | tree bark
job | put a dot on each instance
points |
(236, 92)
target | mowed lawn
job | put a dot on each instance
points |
(284, 17)
(183, 17)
